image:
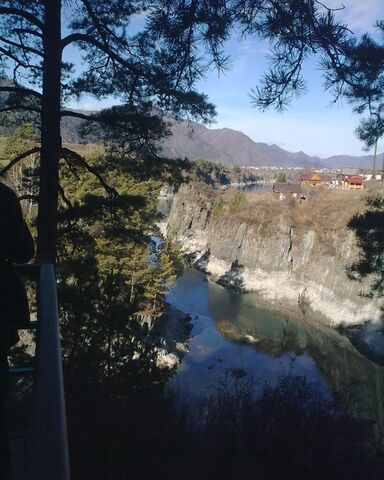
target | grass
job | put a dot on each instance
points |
(331, 208)
(325, 211)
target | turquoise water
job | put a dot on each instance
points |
(232, 335)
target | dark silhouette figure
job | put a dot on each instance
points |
(16, 245)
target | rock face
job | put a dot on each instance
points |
(167, 333)
(285, 257)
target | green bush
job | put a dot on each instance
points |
(237, 199)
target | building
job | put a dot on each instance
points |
(314, 178)
(284, 190)
(353, 182)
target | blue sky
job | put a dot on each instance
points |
(311, 124)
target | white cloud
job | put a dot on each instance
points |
(88, 106)
(89, 103)
(252, 47)
(359, 15)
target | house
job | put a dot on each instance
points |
(353, 182)
(284, 190)
(315, 178)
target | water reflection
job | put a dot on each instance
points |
(231, 333)
(218, 344)
(259, 186)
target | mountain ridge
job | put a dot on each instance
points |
(232, 147)
(193, 140)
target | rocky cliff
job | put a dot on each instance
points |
(293, 254)
(165, 335)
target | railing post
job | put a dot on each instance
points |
(49, 458)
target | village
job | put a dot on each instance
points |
(295, 183)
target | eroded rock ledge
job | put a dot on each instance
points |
(167, 334)
(280, 250)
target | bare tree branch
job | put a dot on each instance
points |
(66, 152)
(17, 159)
(336, 9)
(22, 13)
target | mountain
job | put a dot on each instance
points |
(193, 140)
(364, 161)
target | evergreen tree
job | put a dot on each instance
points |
(359, 77)
(281, 177)
(106, 271)
(144, 69)
(163, 275)
(156, 67)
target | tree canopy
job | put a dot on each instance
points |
(155, 68)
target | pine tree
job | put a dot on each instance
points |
(155, 68)
(164, 272)
(106, 271)
(144, 69)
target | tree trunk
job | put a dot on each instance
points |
(374, 160)
(50, 133)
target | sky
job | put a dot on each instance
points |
(312, 123)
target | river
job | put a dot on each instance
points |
(232, 335)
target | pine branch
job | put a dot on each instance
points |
(28, 31)
(13, 57)
(71, 168)
(83, 37)
(101, 28)
(24, 91)
(17, 159)
(64, 197)
(66, 152)
(70, 113)
(22, 46)
(22, 13)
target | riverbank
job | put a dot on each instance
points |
(167, 333)
(234, 335)
(289, 253)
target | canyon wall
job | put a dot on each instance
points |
(292, 255)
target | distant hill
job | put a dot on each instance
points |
(193, 140)
(364, 161)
